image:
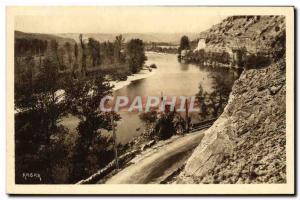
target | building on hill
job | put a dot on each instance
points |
(201, 44)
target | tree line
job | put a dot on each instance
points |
(86, 54)
(51, 83)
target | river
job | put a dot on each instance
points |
(172, 78)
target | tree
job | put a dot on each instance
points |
(164, 126)
(108, 52)
(39, 110)
(213, 103)
(83, 60)
(24, 47)
(83, 97)
(48, 83)
(94, 49)
(42, 49)
(69, 52)
(118, 47)
(201, 97)
(220, 94)
(184, 43)
(75, 66)
(38, 92)
(76, 51)
(148, 117)
(136, 55)
(24, 78)
(54, 50)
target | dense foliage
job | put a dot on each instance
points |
(136, 56)
(91, 149)
(184, 43)
(54, 81)
(213, 102)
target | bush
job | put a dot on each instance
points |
(153, 66)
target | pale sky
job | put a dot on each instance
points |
(117, 20)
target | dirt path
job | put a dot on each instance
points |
(159, 162)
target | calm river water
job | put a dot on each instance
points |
(172, 78)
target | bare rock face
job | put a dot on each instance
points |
(247, 144)
(254, 32)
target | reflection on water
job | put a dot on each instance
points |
(172, 79)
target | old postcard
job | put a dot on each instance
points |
(150, 100)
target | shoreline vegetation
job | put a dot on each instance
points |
(43, 143)
(162, 48)
(261, 68)
(45, 66)
(85, 151)
(53, 81)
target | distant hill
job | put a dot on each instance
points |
(40, 36)
(173, 38)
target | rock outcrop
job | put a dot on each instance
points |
(240, 42)
(255, 33)
(247, 143)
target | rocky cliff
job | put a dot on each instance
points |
(255, 33)
(247, 143)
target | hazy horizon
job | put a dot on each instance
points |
(116, 20)
(108, 33)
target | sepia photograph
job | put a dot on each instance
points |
(150, 100)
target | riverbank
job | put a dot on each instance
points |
(177, 75)
(247, 143)
(144, 73)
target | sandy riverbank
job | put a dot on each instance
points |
(144, 73)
